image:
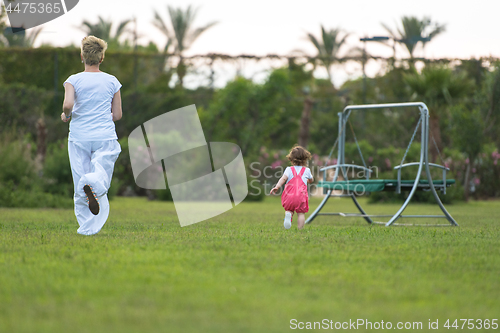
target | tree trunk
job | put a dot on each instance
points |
(181, 71)
(466, 182)
(212, 74)
(330, 77)
(304, 122)
(41, 144)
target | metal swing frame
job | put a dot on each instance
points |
(423, 164)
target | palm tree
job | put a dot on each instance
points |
(181, 34)
(15, 37)
(103, 29)
(438, 86)
(19, 38)
(328, 47)
(3, 22)
(414, 31)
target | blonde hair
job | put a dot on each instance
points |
(93, 49)
(299, 155)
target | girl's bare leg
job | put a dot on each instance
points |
(301, 219)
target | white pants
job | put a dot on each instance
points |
(92, 163)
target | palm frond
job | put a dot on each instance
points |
(438, 85)
(181, 33)
(329, 46)
(389, 30)
(414, 30)
(315, 42)
(180, 23)
(121, 28)
(87, 26)
(160, 24)
(436, 30)
(342, 41)
(198, 31)
(329, 40)
(167, 46)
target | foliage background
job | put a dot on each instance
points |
(257, 116)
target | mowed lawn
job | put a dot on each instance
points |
(242, 271)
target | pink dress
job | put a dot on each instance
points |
(294, 197)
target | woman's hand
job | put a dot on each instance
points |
(64, 118)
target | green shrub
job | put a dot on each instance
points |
(20, 183)
(57, 170)
(487, 173)
(21, 106)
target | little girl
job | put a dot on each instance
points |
(294, 197)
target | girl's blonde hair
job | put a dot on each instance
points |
(93, 49)
(299, 156)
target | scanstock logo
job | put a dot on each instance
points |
(205, 179)
(26, 14)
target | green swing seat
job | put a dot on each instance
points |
(378, 185)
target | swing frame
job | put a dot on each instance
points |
(395, 185)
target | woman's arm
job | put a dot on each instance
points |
(69, 101)
(282, 181)
(116, 106)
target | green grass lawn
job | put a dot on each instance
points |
(242, 271)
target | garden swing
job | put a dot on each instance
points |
(349, 188)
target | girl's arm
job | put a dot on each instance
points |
(69, 101)
(282, 181)
(116, 106)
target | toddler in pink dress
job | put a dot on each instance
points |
(296, 177)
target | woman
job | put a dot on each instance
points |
(92, 101)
